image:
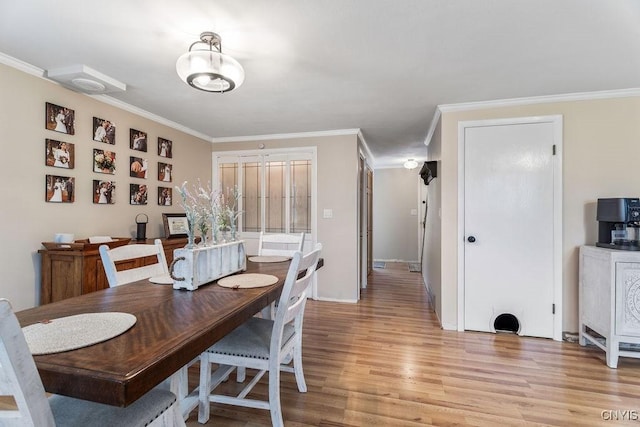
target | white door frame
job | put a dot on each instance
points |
(556, 121)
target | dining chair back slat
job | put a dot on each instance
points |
(136, 256)
(280, 244)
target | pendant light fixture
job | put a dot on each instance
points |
(205, 67)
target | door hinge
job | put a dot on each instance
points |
(554, 149)
(553, 309)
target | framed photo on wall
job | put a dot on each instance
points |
(59, 189)
(104, 192)
(137, 194)
(138, 167)
(104, 131)
(175, 225)
(165, 196)
(137, 140)
(164, 172)
(59, 119)
(164, 148)
(59, 154)
(104, 161)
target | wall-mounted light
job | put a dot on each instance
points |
(205, 67)
(410, 164)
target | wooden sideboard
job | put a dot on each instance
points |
(78, 270)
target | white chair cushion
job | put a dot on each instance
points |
(251, 339)
(70, 412)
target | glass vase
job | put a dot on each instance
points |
(191, 235)
(224, 238)
(204, 239)
(214, 230)
(190, 239)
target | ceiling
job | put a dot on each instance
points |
(322, 65)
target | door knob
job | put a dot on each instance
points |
(471, 239)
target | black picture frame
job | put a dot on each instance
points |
(175, 225)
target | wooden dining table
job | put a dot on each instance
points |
(172, 328)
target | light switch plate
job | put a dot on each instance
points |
(327, 213)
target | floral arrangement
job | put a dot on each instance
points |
(207, 210)
(104, 161)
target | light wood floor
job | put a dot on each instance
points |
(386, 362)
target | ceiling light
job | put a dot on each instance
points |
(205, 67)
(85, 79)
(410, 164)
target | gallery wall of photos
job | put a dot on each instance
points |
(108, 155)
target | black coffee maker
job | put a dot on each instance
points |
(619, 223)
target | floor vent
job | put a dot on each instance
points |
(414, 267)
(379, 264)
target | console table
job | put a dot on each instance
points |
(78, 270)
(609, 301)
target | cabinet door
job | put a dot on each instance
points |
(628, 299)
(66, 276)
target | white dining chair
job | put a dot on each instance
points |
(262, 344)
(276, 244)
(178, 382)
(19, 378)
(130, 254)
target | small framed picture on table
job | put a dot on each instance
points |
(175, 225)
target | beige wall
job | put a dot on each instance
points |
(601, 156)
(27, 220)
(337, 158)
(432, 255)
(395, 230)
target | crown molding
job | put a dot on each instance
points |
(367, 151)
(578, 96)
(336, 132)
(21, 65)
(511, 102)
(147, 115)
(38, 72)
(432, 127)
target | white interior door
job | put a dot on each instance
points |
(509, 223)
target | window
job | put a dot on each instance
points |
(276, 190)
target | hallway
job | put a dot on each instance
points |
(386, 362)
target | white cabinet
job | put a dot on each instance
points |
(610, 301)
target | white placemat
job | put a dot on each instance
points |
(270, 258)
(165, 279)
(247, 280)
(73, 332)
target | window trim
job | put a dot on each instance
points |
(278, 154)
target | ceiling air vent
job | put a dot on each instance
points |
(81, 78)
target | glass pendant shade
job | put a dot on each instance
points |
(209, 70)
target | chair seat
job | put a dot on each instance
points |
(69, 412)
(251, 339)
